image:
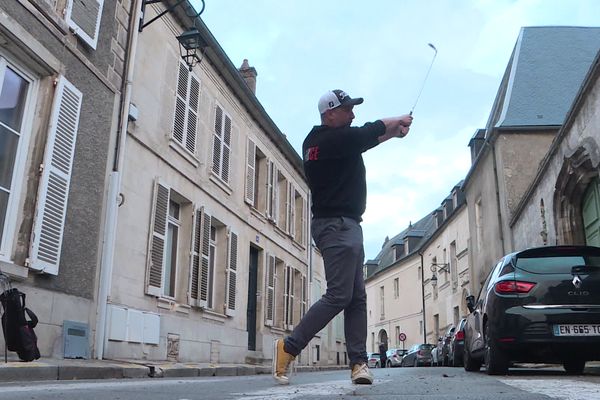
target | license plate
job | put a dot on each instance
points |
(577, 330)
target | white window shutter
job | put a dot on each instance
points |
(217, 135)
(270, 189)
(181, 98)
(270, 290)
(275, 206)
(231, 274)
(83, 16)
(204, 262)
(192, 117)
(226, 155)
(158, 239)
(49, 221)
(303, 298)
(304, 228)
(195, 259)
(250, 172)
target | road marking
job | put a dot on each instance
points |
(292, 391)
(565, 389)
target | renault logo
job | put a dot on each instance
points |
(577, 282)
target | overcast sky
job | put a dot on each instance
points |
(378, 50)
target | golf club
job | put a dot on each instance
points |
(426, 76)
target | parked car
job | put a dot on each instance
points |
(445, 345)
(373, 360)
(537, 305)
(394, 357)
(419, 354)
(457, 345)
(436, 353)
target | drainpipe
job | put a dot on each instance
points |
(423, 298)
(497, 188)
(113, 203)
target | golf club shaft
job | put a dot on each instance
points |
(424, 80)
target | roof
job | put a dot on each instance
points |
(547, 69)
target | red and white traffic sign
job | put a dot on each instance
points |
(402, 337)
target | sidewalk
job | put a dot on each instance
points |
(67, 369)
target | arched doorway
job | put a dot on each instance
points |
(383, 338)
(590, 210)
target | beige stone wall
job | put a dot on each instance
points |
(581, 135)
(451, 287)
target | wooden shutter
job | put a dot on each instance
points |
(53, 192)
(158, 239)
(216, 156)
(275, 201)
(303, 296)
(83, 17)
(186, 109)
(226, 155)
(250, 172)
(205, 248)
(231, 274)
(195, 259)
(192, 115)
(270, 290)
(303, 221)
(270, 189)
(179, 124)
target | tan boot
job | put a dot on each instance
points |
(281, 363)
(361, 374)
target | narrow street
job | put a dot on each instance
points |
(396, 383)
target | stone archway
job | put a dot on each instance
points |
(383, 337)
(577, 171)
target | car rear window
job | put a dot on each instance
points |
(555, 264)
(426, 347)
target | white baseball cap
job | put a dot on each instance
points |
(336, 98)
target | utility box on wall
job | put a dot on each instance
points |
(76, 337)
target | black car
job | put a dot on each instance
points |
(457, 345)
(419, 354)
(537, 305)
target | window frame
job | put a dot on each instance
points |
(14, 204)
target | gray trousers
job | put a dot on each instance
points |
(340, 241)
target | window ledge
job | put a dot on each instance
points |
(183, 152)
(257, 213)
(14, 271)
(217, 181)
(213, 316)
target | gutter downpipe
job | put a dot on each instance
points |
(423, 299)
(111, 216)
(488, 143)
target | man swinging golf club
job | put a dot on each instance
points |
(335, 171)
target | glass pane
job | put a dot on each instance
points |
(3, 207)
(8, 152)
(12, 99)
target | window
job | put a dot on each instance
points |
(221, 145)
(186, 109)
(436, 326)
(456, 315)
(173, 224)
(15, 92)
(445, 262)
(382, 302)
(168, 249)
(288, 297)
(397, 336)
(396, 288)
(453, 266)
(272, 192)
(479, 224)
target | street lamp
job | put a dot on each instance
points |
(191, 47)
(436, 268)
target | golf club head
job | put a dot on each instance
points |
(433, 47)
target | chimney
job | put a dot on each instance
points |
(249, 74)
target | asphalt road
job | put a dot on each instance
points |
(390, 383)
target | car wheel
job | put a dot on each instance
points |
(470, 364)
(388, 364)
(445, 362)
(495, 359)
(574, 367)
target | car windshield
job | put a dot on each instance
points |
(555, 264)
(426, 347)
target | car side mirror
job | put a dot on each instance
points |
(470, 303)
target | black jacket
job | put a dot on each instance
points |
(335, 169)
